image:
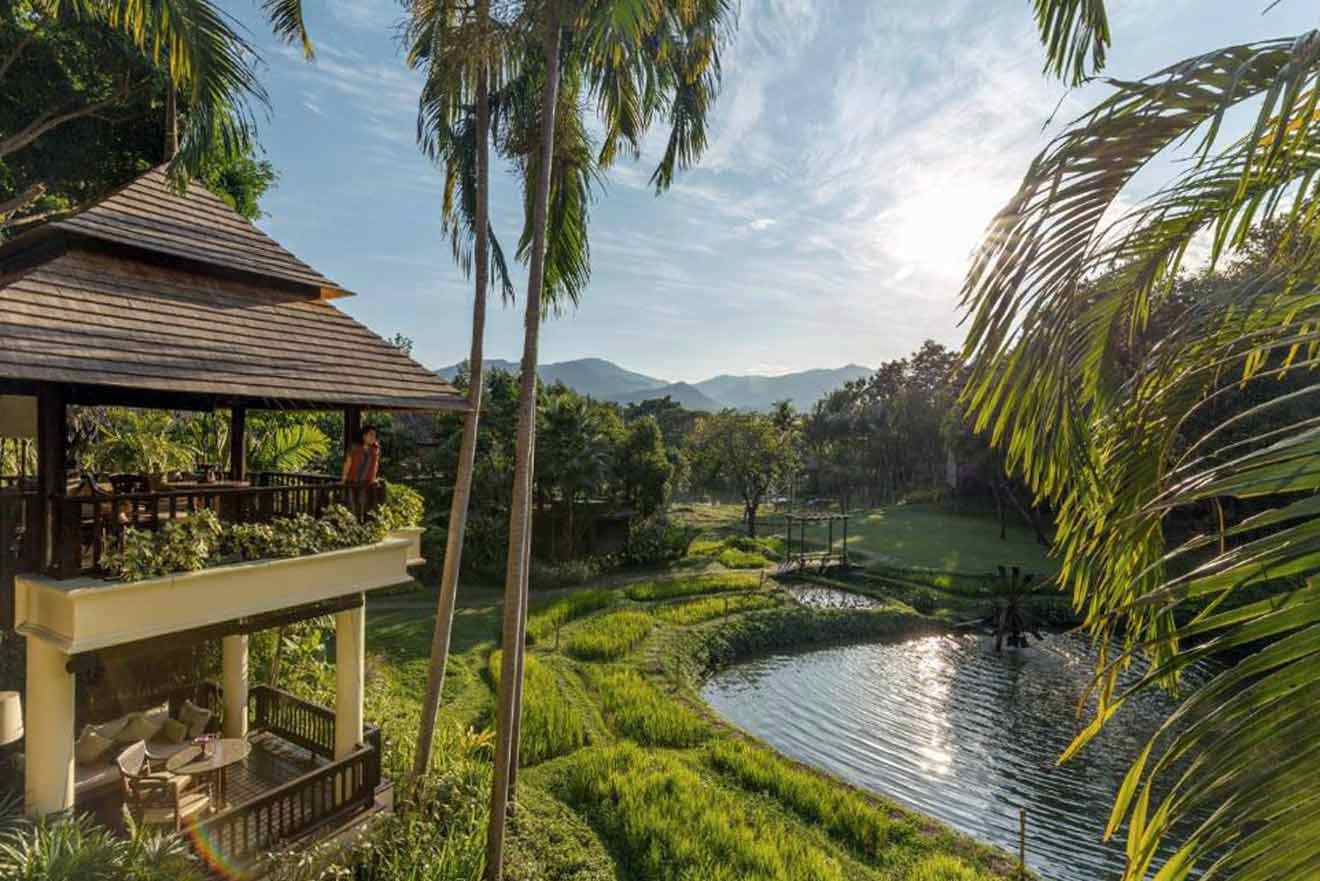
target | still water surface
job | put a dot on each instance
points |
(948, 727)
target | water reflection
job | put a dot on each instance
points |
(948, 726)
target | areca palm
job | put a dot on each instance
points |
(636, 61)
(460, 49)
(1118, 423)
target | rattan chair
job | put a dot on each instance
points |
(159, 798)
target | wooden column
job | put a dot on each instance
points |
(234, 678)
(238, 443)
(352, 425)
(52, 443)
(49, 712)
(350, 668)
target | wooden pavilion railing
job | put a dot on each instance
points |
(86, 526)
(328, 795)
(20, 531)
(292, 478)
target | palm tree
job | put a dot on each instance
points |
(459, 52)
(636, 59)
(199, 49)
(1119, 421)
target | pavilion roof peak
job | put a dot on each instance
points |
(150, 214)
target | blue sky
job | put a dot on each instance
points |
(859, 148)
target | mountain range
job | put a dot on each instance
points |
(607, 381)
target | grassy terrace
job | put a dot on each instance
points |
(916, 536)
(626, 774)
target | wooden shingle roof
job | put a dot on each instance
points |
(97, 319)
(196, 225)
(150, 292)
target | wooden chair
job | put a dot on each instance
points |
(159, 798)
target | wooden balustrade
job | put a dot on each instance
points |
(20, 522)
(87, 526)
(291, 478)
(244, 833)
(329, 794)
(303, 724)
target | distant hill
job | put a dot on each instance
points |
(594, 377)
(607, 381)
(684, 394)
(804, 388)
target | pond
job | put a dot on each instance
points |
(945, 725)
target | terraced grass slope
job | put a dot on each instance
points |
(628, 777)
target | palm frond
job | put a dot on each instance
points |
(1075, 34)
(286, 19)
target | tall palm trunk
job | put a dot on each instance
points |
(520, 521)
(514, 747)
(458, 509)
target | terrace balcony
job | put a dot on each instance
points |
(291, 791)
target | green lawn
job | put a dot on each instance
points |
(918, 536)
(598, 807)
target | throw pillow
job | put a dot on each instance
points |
(110, 730)
(174, 731)
(195, 717)
(140, 726)
(90, 747)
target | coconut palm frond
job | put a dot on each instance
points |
(1075, 34)
(286, 20)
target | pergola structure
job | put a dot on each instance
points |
(798, 555)
(153, 298)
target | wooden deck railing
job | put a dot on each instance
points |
(89, 525)
(323, 797)
(291, 478)
(20, 528)
(290, 718)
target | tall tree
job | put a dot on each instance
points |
(744, 452)
(1122, 438)
(71, 69)
(637, 61)
(458, 51)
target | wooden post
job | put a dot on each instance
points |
(845, 539)
(238, 443)
(352, 425)
(52, 410)
(1022, 842)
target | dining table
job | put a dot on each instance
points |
(195, 761)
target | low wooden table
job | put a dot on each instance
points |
(228, 751)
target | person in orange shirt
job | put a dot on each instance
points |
(363, 460)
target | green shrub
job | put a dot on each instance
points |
(565, 573)
(200, 540)
(667, 824)
(943, 867)
(656, 540)
(732, 558)
(691, 586)
(551, 726)
(541, 624)
(74, 848)
(179, 546)
(697, 611)
(609, 637)
(844, 814)
(924, 602)
(403, 508)
(638, 710)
